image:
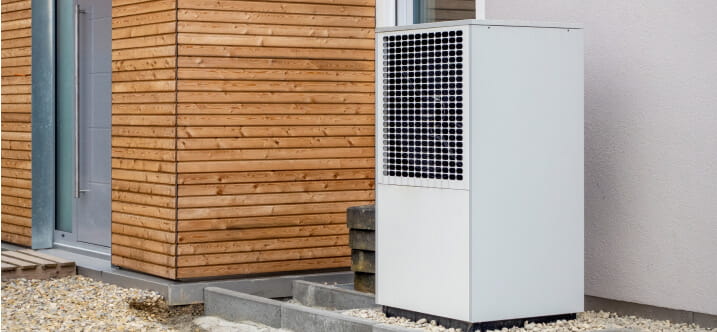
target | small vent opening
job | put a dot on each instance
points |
(423, 86)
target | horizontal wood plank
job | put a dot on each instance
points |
(265, 221)
(267, 210)
(196, 249)
(263, 256)
(275, 18)
(274, 187)
(276, 7)
(264, 267)
(275, 176)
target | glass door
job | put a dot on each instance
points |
(83, 107)
(66, 129)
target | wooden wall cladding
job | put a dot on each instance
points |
(275, 132)
(144, 178)
(16, 122)
(242, 130)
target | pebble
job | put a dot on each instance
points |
(586, 321)
(78, 303)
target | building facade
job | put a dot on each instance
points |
(207, 138)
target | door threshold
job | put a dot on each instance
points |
(86, 249)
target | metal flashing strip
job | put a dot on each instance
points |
(43, 123)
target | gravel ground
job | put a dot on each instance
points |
(587, 321)
(81, 304)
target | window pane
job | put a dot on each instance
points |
(426, 11)
(65, 108)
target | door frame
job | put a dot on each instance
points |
(43, 123)
(44, 129)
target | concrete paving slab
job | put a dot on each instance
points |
(394, 328)
(304, 319)
(237, 307)
(331, 296)
(705, 320)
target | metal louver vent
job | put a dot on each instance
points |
(423, 105)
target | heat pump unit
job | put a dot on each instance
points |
(480, 170)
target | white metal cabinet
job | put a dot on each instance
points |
(480, 169)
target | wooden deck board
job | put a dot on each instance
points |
(31, 264)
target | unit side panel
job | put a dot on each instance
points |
(422, 245)
(527, 172)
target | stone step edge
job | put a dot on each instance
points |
(236, 306)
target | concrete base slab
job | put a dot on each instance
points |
(191, 292)
(12, 247)
(331, 296)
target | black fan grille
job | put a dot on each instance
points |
(423, 111)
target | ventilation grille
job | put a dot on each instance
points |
(423, 112)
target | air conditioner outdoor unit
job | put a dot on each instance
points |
(480, 170)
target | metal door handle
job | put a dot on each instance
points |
(78, 11)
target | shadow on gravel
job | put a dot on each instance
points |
(155, 308)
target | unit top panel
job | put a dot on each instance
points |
(525, 24)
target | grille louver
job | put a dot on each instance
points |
(423, 106)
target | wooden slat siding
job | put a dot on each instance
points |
(275, 132)
(306, 262)
(144, 179)
(16, 122)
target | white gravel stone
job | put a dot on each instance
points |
(81, 304)
(587, 321)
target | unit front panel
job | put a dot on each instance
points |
(422, 247)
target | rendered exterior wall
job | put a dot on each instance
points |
(650, 146)
(16, 122)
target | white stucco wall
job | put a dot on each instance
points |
(650, 145)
